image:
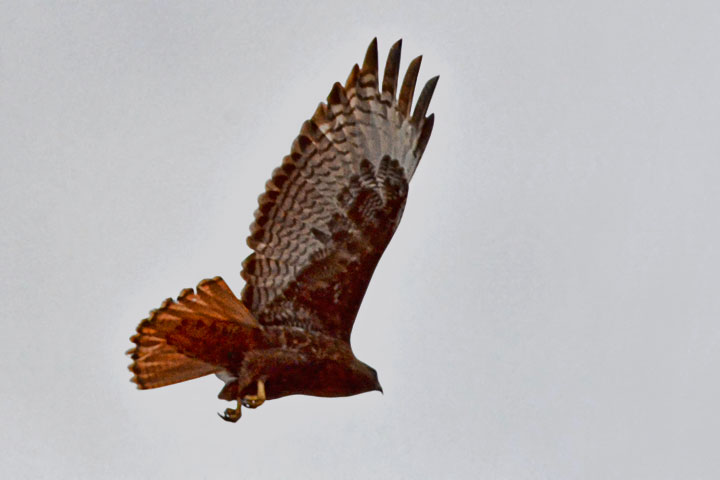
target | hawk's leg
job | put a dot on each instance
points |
(254, 401)
(232, 414)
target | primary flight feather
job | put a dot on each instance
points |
(325, 219)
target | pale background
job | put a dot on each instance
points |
(549, 307)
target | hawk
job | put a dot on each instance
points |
(324, 221)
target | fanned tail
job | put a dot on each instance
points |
(190, 337)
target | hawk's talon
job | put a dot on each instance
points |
(231, 414)
(251, 401)
(254, 401)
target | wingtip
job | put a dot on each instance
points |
(425, 133)
(337, 95)
(370, 64)
(408, 87)
(424, 100)
(353, 77)
(320, 115)
(392, 69)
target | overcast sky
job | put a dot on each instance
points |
(549, 307)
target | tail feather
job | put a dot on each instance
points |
(162, 364)
(169, 342)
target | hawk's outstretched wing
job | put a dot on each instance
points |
(332, 207)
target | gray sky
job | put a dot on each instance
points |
(548, 308)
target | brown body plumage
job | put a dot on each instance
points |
(322, 225)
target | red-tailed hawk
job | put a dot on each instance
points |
(326, 216)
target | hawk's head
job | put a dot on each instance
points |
(365, 378)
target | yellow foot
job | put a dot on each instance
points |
(254, 401)
(232, 414)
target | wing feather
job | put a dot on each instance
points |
(392, 68)
(331, 208)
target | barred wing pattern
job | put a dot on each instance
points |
(331, 208)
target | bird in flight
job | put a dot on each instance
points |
(325, 219)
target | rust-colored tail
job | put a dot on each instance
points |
(182, 339)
